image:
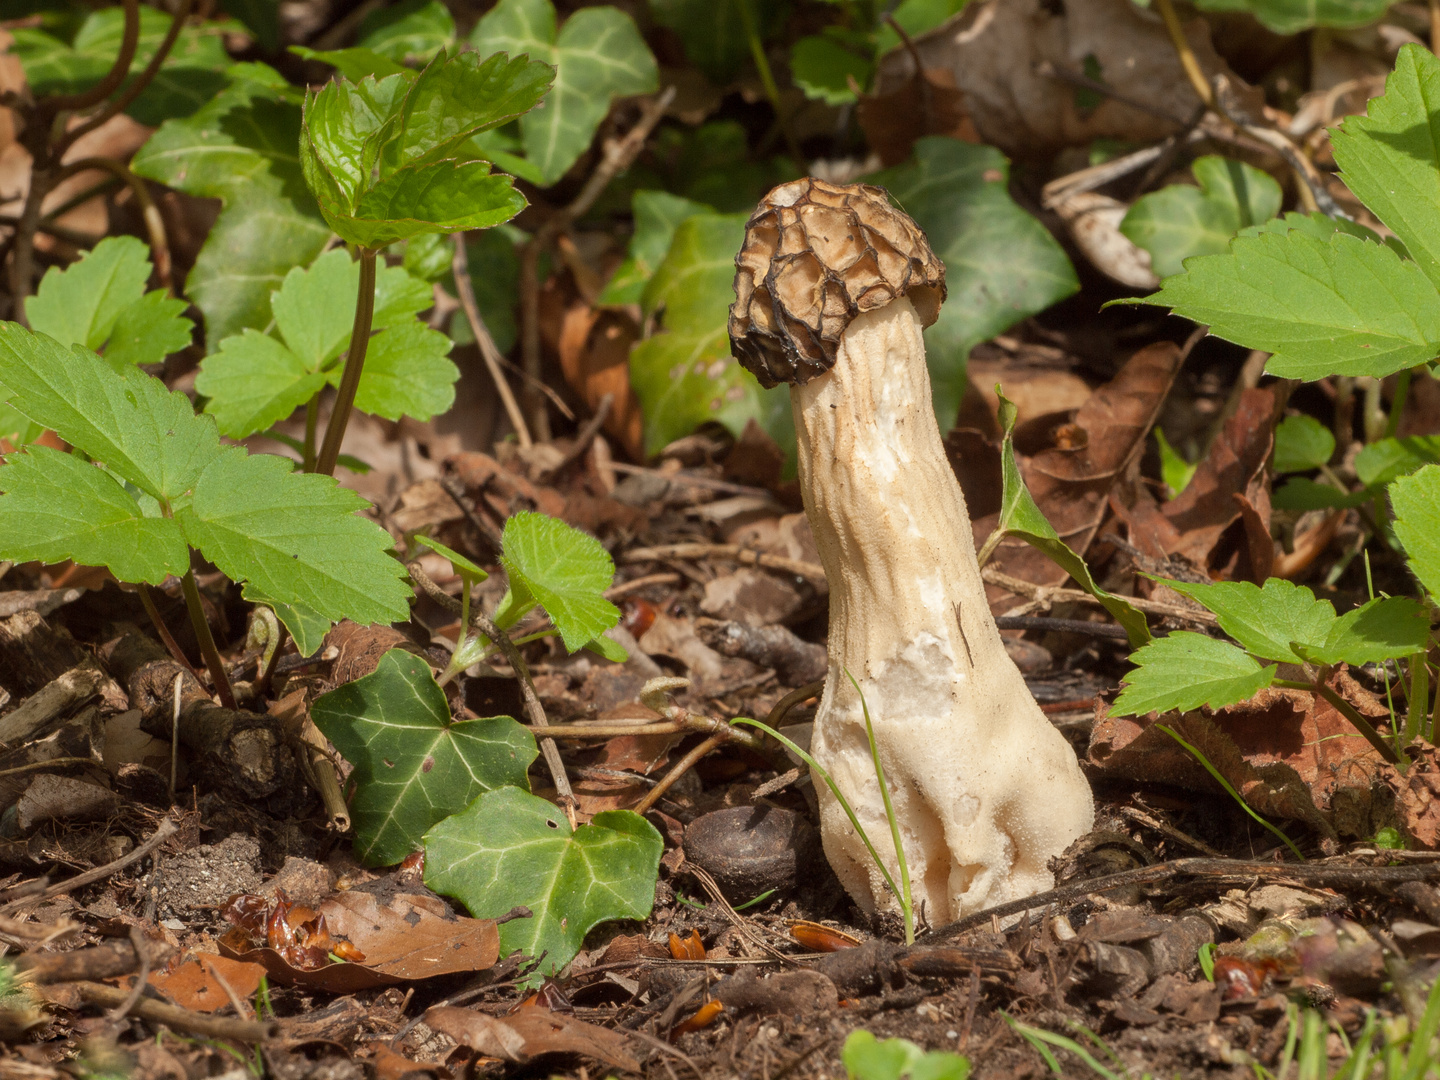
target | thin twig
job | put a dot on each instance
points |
(214, 662)
(1062, 626)
(583, 438)
(171, 645)
(166, 829)
(681, 767)
(488, 532)
(129, 39)
(137, 941)
(789, 701)
(465, 290)
(1047, 595)
(812, 572)
(157, 1012)
(1186, 54)
(619, 154)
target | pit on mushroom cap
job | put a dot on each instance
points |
(833, 288)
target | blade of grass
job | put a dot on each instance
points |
(906, 906)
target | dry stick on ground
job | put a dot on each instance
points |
(488, 532)
(534, 711)
(1218, 871)
(465, 290)
(1044, 596)
(214, 1027)
(583, 439)
(616, 158)
(812, 572)
(166, 829)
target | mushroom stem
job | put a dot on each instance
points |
(985, 789)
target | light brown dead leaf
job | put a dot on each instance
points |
(531, 1032)
(194, 983)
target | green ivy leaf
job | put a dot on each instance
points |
(1179, 221)
(598, 55)
(1001, 265)
(1186, 670)
(58, 506)
(1302, 443)
(657, 215)
(191, 75)
(296, 536)
(822, 67)
(1292, 16)
(414, 764)
(685, 375)
(563, 569)
(1341, 306)
(1415, 501)
(379, 154)
(1388, 157)
(510, 848)
(240, 148)
(1019, 516)
(255, 381)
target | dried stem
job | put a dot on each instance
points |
(684, 765)
(1186, 54)
(154, 224)
(618, 156)
(354, 365)
(465, 290)
(213, 660)
(148, 602)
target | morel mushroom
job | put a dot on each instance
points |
(832, 290)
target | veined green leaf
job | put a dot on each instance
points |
(1415, 500)
(1265, 620)
(1186, 670)
(1385, 459)
(563, 569)
(412, 31)
(598, 55)
(414, 765)
(823, 68)
(406, 374)
(657, 215)
(510, 847)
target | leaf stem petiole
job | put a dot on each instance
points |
(354, 365)
(213, 660)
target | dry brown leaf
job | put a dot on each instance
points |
(194, 983)
(926, 103)
(531, 1032)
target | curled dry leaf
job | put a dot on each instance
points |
(1094, 223)
(531, 1032)
(401, 939)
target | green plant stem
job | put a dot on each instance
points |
(992, 541)
(213, 660)
(312, 422)
(354, 365)
(1345, 709)
(767, 80)
(168, 639)
(1186, 54)
(1397, 403)
(1214, 772)
(907, 906)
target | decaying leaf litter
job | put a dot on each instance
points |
(249, 826)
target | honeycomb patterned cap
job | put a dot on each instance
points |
(815, 256)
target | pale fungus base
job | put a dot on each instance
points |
(985, 789)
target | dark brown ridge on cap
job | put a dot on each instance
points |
(815, 256)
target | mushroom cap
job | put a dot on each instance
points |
(815, 256)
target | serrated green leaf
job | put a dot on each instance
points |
(1340, 306)
(240, 148)
(1386, 628)
(406, 374)
(79, 304)
(567, 571)
(1186, 670)
(314, 308)
(657, 215)
(1322, 227)
(58, 506)
(148, 331)
(414, 765)
(1293, 16)
(1385, 459)
(598, 55)
(412, 31)
(1302, 443)
(1388, 157)
(1020, 516)
(441, 197)
(510, 848)
(684, 375)
(1001, 264)
(1415, 501)
(1179, 221)
(296, 536)
(307, 627)
(16, 428)
(823, 67)
(192, 74)
(1265, 620)
(142, 432)
(254, 382)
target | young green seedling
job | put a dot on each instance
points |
(386, 159)
(470, 647)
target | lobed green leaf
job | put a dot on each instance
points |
(1186, 670)
(563, 569)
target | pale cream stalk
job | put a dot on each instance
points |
(985, 789)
